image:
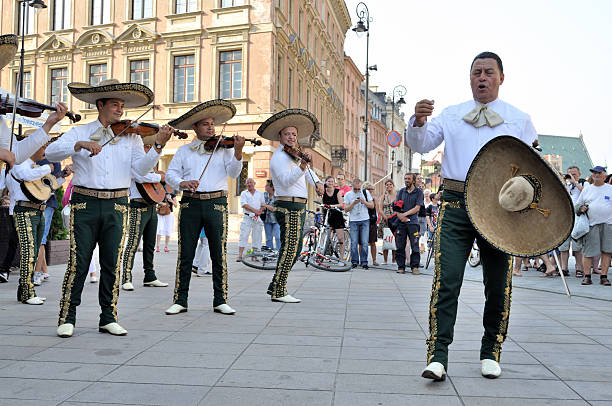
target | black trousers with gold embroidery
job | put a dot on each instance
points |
(290, 217)
(454, 237)
(30, 225)
(102, 222)
(142, 223)
(212, 215)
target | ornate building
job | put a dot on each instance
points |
(263, 55)
(353, 108)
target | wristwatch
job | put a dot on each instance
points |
(158, 146)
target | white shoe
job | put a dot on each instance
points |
(93, 279)
(35, 301)
(286, 299)
(224, 309)
(113, 328)
(65, 330)
(156, 283)
(127, 286)
(37, 279)
(435, 371)
(490, 369)
(202, 272)
(176, 309)
(44, 276)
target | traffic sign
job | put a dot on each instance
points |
(394, 139)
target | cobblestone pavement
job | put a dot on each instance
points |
(358, 338)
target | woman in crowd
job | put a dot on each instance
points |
(373, 236)
(386, 210)
(165, 220)
(271, 226)
(332, 197)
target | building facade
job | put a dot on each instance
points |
(377, 138)
(262, 55)
(353, 108)
(399, 159)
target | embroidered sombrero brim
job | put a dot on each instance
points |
(306, 123)
(219, 110)
(132, 94)
(527, 233)
(8, 49)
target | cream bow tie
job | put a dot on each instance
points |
(482, 115)
(198, 146)
(102, 134)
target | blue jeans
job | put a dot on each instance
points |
(48, 217)
(360, 232)
(272, 230)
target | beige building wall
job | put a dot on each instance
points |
(291, 56)
(353, 105)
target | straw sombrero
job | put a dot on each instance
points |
(516, 200)
(219, 110)
(8, 49)
(132, 94)
(306, 123)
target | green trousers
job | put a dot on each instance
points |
(212, 215)
(454, 237)
(290, 217)
(30, 225)
(102, 222)
(142, 224)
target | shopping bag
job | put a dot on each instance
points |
(66, 216)
(581, 226)
(388, 240)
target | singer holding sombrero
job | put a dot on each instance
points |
(465, 128)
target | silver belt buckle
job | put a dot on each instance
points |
(105, 195)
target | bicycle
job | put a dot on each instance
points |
(264, 258)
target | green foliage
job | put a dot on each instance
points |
(57, 230)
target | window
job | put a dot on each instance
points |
(230, 74)
(61, 14)
(184, 6)
(289, 87)
(97, 74)
(141, 9)
(100, 12)
(184, 78)
(279, 79)
(27, 84)
(299, 94)
(29, 26)
(231, 3)
(308, 30)
(290, 12)
(139, 72)
(59, 80)
(308, 99)
(300, 18)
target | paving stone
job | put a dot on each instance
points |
(515, 388)
(386, 399)
(302, 364)
(488, 401)
(164, 375)
(592, 390)
(266, 397)
(42, 389)
(392, 384)
(278, 379)
(141, 393)
(154, 358)
(69, 371)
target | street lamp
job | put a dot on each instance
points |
(400, 91)
(363, 25)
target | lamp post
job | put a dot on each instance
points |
(363, 25)
(400, 91)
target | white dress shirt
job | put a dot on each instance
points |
(254, 200)
(288, 177)
(188, 165)
(112, 167)
(359, 212)
(150, 177)
(26, 171)
(462, 139)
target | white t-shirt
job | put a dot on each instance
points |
(359, 212)
(599, 200)
(254, 200)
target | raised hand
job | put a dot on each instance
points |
(422, 110)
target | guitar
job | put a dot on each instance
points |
(39, 191)
(152, 193)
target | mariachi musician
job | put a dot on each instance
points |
(290, 172)
(200, 169)
(142, 224)
(99, 203)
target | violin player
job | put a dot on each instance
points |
(202, 176)
(290, 172)
(99, 203)
(142, 224)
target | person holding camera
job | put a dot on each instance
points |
(574, 184)
(356, 203)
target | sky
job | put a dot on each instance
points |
(557, 58)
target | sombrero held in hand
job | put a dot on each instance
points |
(132, 94)
(306, 123)
(8, 49)
(515, 199)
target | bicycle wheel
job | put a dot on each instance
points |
(261, 260)
(327, 256)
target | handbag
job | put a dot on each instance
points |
(163, 209)
(388, 240)
(66, 216)
(581, 226)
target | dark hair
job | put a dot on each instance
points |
(573, 167)
(608, 178)
(492, 55)
(103, 100)
(269, 182)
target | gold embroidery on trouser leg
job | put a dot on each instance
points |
(23, 224)
(223, 209)
(435, 288)
(123, 210)
(135, 218)
(503, 324)
(71, 268)
(177, 278)
(290, 244)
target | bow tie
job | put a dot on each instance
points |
(102, 134)
(198, 146)
(482, 115)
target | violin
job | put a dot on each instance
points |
(143, 129)
(296, 153)
(31, 108)
(226, 142)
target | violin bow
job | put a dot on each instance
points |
(307, 166)
(213, 152)
(126, 127)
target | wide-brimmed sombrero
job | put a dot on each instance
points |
(516, 200)
(219, 110)
(8, 49)
(132, 94)
(306, 123)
